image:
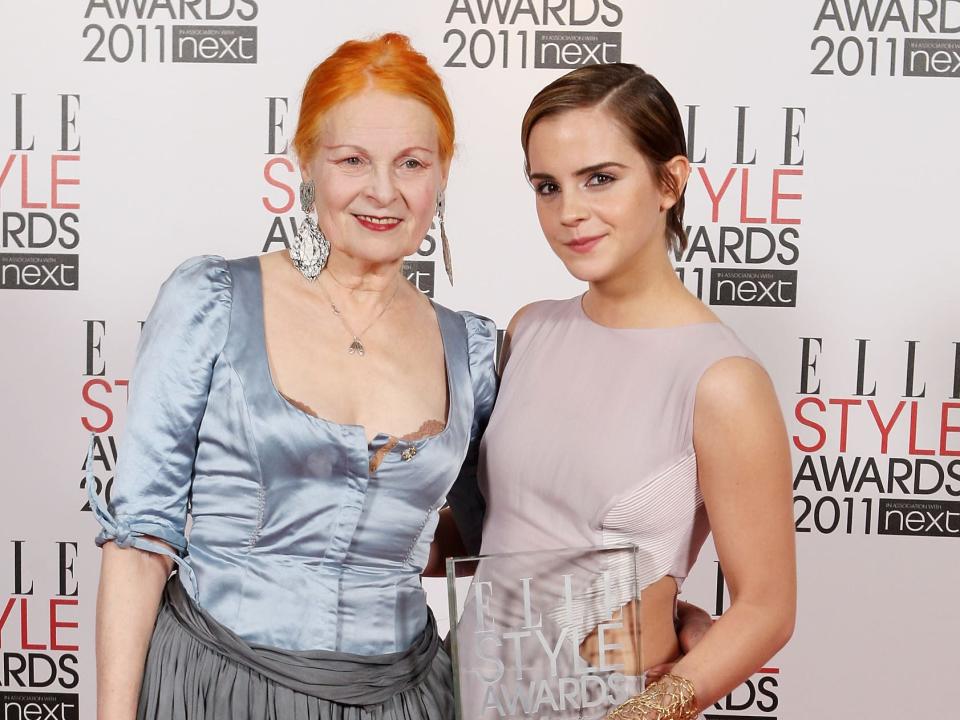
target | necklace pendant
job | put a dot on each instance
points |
(356, 347)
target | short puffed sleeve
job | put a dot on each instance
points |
(465, 498)
(182, 338)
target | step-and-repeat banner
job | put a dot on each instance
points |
(822, 218)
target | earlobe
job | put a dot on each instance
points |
(444, 174)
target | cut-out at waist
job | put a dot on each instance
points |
(658, 635)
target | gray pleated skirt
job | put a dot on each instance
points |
(197, 668)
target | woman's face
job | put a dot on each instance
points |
(599, 202)
(377, 172)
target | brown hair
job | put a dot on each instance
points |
(387, 62)
(639, 103)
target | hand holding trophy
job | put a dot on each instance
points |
(550, 634)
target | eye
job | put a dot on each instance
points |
(546, 188)
(600, 179)
(412, 164)
(352, 161)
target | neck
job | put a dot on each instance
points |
(360, 281)
(639, 295)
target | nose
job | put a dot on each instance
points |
(381, 187)
(573, 209)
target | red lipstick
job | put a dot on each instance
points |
(383, 225)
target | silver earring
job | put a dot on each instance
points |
(447, 260)
(310, 248)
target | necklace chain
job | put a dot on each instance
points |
(356, 346)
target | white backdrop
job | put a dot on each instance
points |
(822, 214)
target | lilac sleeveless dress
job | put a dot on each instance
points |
(591, 438)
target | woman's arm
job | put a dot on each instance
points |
(184, 335)
(131, 583)
(745, 476)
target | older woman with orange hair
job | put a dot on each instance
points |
(310, 411)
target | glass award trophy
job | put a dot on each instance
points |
(548, 634)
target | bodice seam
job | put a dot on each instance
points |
(418, 536)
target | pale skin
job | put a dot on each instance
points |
(377, 164)
(603, 212)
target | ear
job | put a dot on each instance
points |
(678, 169)
(444, 175)
(307, 164)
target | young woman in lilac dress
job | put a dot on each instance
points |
(631, 413)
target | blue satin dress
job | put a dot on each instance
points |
(294, 543)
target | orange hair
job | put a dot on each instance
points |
(387, 63)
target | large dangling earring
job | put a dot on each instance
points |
(310, 248)
(447, 260)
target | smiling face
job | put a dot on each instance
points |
(377, 172)
(600, 204)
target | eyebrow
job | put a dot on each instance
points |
(362, 149)
(582, 171)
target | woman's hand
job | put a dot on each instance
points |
(692, 624)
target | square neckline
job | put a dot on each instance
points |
(380, 437)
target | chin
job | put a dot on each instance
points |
(370, 252)
(586, 269)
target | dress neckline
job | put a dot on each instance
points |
(381, 437)
(577, 302)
